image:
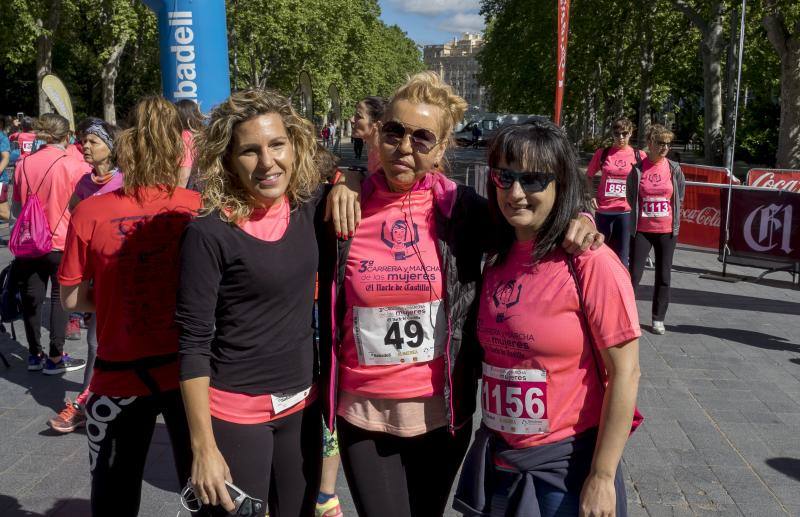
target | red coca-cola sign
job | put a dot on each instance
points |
(701, 216)
(780, 179)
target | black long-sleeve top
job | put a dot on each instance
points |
(244, 305)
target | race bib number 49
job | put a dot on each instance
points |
(655, 207)
(615, 187)
(515, 400)
(399, 335)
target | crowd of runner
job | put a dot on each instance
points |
(261, 301)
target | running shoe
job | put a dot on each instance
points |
(35, 362)
(74, 328)
(70, 418)
(330, 508)
(66, 364)
(658, 328)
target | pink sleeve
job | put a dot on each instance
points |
(17, 195)
(608, 297)
(594, 164)
(188, 149)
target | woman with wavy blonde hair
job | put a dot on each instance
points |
(121, 261)
(245, 303)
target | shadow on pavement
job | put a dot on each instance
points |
(746, 337)
(722, 300)
(10, 507)
(787, 466)
(46, 390)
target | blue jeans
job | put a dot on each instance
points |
(552, 501)
(616, 228)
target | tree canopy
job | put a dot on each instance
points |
(341, 42)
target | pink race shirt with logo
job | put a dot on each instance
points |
(655, 198)
(540, 382)
(394, 329)
(614, 173)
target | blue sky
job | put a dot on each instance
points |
(433, 21)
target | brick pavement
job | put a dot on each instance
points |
(720, 392)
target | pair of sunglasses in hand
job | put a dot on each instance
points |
(244, 505)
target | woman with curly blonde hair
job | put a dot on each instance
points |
(120, 261)
(245, 305)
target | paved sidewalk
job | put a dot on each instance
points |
(720, 393)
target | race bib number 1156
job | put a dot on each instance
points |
(515, 400)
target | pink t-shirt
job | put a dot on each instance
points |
(56, 188)
(655, 198)
(87, 187)
(614, 173)
(395, 327)
(540, 380)
(268, 224)
(25, 142)
(76, 151)
(188, 148)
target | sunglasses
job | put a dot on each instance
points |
(618, 134)
(531, 182)
(422, 140)
(244, 505)
(663, 144)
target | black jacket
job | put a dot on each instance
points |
(459, 240)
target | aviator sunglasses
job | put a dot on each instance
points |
(531, 182)
(422, 140)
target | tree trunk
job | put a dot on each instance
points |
(731, 87)
(787, 46)
(44, 55)
(711, 48)
(109, 78)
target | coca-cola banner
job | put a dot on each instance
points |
(765, 224)
(701, 216)
(707, 174)
(781, 179)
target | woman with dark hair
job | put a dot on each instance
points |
(369, 113)
(549, 326)
(191, 123)
(655, 193)
(98, 151)
(50, 174)
(121, 262)
(615, 164)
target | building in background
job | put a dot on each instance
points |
(455, 62)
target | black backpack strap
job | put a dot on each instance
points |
(639, 161)
(604, 156)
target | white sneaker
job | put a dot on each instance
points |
(658, 328)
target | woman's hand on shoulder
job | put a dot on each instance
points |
(581, 235)
(209, 473)
(344, 204)
(598, 497)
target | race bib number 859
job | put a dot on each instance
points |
(515, 400)
(399, 335)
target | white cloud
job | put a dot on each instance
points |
(463, 22)
(435, 6)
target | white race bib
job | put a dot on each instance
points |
(514, 400)
(27, 146)
(655, 207)
(615, 187)
(283, 401)
(399, 335)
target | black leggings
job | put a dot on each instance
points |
(664, 245)
(391, 476)
(33, 276)
(119, 431)
(279, 462)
